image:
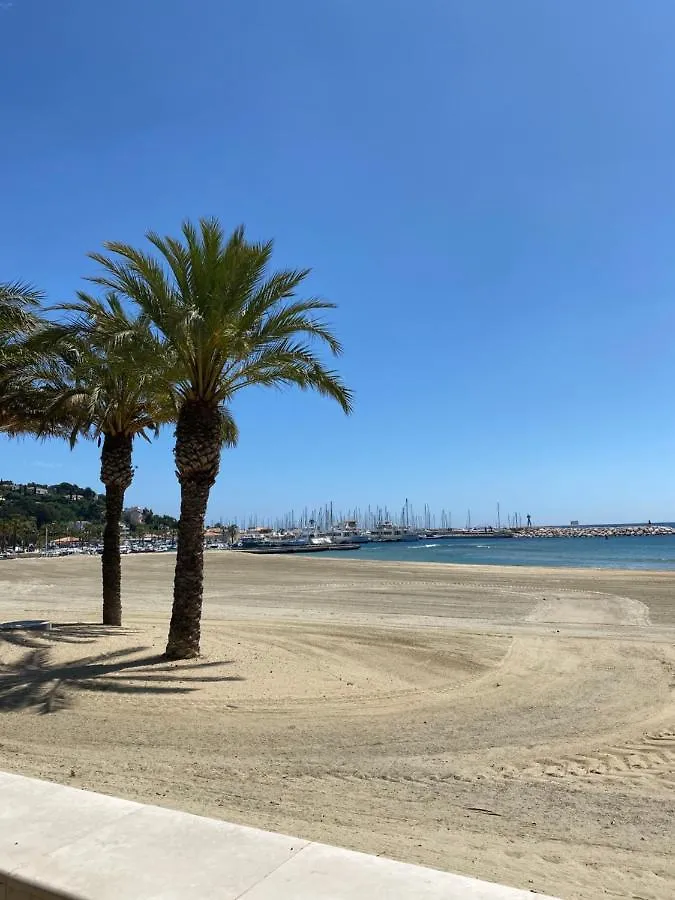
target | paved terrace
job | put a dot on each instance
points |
(60, 842)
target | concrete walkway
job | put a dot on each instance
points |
(59, 842)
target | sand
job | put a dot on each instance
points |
(512, 724)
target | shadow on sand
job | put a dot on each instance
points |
(36, 681)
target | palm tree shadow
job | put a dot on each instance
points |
(36, 681)
(64, 633)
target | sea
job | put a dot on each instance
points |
(651, 552)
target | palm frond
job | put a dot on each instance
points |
(230, 429)
(112, 375)
(218, 315)
(20, 293)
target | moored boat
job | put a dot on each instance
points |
(386, 532)
(348, 533)
(296, 547)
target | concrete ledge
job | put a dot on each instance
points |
(60, 843)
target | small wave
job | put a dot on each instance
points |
(483, 546)
(423, 546)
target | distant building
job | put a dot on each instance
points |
(133, 515)
(37, 489)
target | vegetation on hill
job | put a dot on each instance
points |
(45, 504)
(64, 508)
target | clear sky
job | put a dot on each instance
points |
(486, 188)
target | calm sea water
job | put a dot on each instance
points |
(598, 553)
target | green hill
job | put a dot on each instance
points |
(64, 509)
(45, 504)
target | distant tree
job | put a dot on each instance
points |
(65, 488)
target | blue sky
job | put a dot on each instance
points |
(485, 188)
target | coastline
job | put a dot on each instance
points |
(629, 552)
(493, 568)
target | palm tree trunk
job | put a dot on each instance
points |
(111, 568)
(185, 628)
(197, 453)
(116, 474)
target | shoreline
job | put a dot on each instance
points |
(489, 567)
(651, 553)
(328, 558)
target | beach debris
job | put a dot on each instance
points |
(26, 625)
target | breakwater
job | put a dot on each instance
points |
(593, 531)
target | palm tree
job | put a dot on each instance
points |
(19, 303)
(25, 363)
(232, 531)
(19, 317)
(111, 391)
(226, 323)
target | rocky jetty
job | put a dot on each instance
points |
(582, 531)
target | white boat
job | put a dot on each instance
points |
(386, 532)
(348, 533)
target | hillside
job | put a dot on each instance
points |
(50, 503)
(65, 508)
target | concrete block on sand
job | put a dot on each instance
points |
(67, 842)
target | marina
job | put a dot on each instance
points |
(620, 546)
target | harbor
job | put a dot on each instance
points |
(637, 546)
(331, 527)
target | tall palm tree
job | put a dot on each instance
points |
(227, 323)
(111, 390)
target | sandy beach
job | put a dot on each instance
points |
(513, 724)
